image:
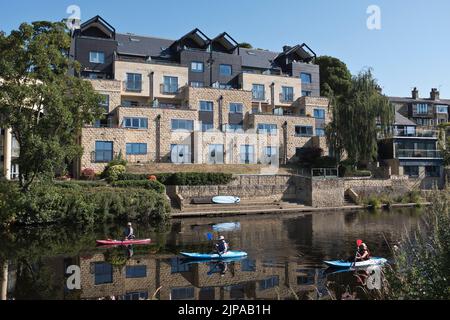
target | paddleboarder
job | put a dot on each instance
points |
(129, 232)
(222, 246)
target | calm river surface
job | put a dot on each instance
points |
(285, 258)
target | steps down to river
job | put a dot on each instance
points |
(244, 206)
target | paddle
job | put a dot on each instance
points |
(358, 244)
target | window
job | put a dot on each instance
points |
(412, 171)
(432, 171)
(248, 265)
(206, 106)
(130, 103)
(303, 131)
(235, 127)
(306, 77)
(96, 57)
(182, 294)
(177, 266)
(225, 86)
(215, 154)
(134, 82)
(319, 113)
(136, 272)
(258, 92)
(95, 75)
(270, 151)
(104, 102)
(135, 123)
(170, 85)
(136, 296)
(136, 148)
(269, 283)
(197, 84)
(247, 154)
(306, 93)
(225, 70)
(180, 153)
(422, 108)
(103, 273)
(197, 66)
(236, 108)
(180, 124)
(265, 128)
(442, 109)
(287, 94)
(103, 151)
(207, 126)
(320, 132)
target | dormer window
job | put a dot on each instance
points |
(97, 57)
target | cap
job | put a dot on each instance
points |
(129, 224)
(221, 238)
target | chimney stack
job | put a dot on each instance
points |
(434, 95)
(415, 93)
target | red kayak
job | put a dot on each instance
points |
(110, 242)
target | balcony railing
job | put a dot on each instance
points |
(259, 97)
(160, 106)
(132, 87)
(286, 98)
(433, 154)
(416, 133)
(169, 89)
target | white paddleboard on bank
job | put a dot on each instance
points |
(226, 200)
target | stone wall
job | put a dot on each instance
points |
(395, 187)
(327, 193)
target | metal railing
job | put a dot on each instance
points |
(416, 133)
(403, 153)
(286, 98)
(130, 89)
(169, 89)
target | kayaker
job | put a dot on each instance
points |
(129, 232)
(363, 253)
(222, 246)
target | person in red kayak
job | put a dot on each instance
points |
(363, 253)
(129, 232)
(222, 246)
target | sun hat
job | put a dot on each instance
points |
(221, 238)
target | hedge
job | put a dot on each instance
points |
(145, 184)
(183, 179)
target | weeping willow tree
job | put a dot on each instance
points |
(358, 118)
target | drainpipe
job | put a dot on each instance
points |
(272, 93)
(151, 86)
(7, 154)
(220, 113)
(285, 156)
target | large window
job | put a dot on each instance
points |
(135, 123)
(412, 171)
(304, 131)
(306, 93)
(103, 151)
(177, 266)
(215, 154)
(319, 113)
(207, 126)
(182, 294)
(133, 272)
(225, 70)
(206, 106)
(96, 57)
(181, 124)
(269, 283)
(136, 148)
(103, 273)
(134, 82)
(422, 108)
(266, 128)
(197, 84)
(247, 154)
(287, 94)
(236, 108)
(197, 66)
(170, 85)
(104, 102)
(180, 153)
(442, 109)
(306, 77)
(258, 92)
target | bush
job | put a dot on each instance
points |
(112, 173)
(88, 174)
(183, 179)
(145, 184)
(374, 202)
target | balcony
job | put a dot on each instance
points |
(164, 106)
(259, 97)
(135, 87)
(430, 154)
(416, 133)
(169, 89)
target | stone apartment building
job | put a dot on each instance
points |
(197, 100)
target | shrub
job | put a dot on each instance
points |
(145, 184)
(112, 173)
(374, 202)
(183, 179)
(88, 174)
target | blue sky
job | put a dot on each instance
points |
(411, 49)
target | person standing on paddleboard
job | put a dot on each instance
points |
(222, 246)
(129, 232)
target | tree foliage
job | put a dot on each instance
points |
(358, 117)
(335, 78)
(245, 45)
(40, 99)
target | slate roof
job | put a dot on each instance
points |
(420, 100)
(400, 120)
(139, 45)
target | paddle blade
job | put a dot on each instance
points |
(210, 236)
(359, 242)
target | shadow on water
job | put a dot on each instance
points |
(285, 258)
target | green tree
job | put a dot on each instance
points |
(41, 101)
(335, 78)
(245, 45)
(444, 142)
(358, 117)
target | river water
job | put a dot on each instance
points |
(285, 258)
